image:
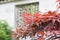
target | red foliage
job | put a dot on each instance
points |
(28, 17)
(58, 4)
(38, 24)
(41, 24)
(58, 0)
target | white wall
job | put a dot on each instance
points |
(46, 5)
(7, 10)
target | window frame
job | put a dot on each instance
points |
(23, 3)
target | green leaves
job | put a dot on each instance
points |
(5, 33)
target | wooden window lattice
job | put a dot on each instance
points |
(33, 8)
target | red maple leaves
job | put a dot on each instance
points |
(58, 0)
(38, 22)
(37, 17)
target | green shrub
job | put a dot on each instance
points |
(5, 32)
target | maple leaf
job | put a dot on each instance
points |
(58, 1)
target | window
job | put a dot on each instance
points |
(20, 9)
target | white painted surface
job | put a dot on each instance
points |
(46, 5)
(7, 10)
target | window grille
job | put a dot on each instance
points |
(20, 9)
